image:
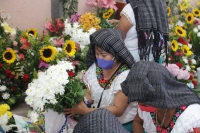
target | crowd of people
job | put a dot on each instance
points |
(127, 89)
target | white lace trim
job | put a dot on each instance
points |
(188, 120)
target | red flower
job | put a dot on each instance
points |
(194, 82)
(1, 65)
(14, 88)
(8, 72)
(25, 77)
(191, 76)
(196, 22)
(11, 76)
(71, 74)
(182, 41)
(179, 64)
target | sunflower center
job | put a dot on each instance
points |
(179, 31)
(173, 45)
(31, 32)
(8, 56)
(185, 51)
(47, 53)
(196, 12)
(189, 18)
(68, 48)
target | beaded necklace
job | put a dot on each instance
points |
(159, 128)
(102, 81)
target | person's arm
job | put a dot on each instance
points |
(120, 104)
(196, 130)
(138, 124)
(124, 25)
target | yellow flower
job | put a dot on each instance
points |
(198, 3)
(168, 11)
(196, 12)
(186, 50)
(70, 48)
(108, 14)
(189, 18)
(180, 31)
(8, 29)
(184, 5)
(31, 32)
(174, 45)
(47, 53)
(9, 56)
(9, 114)
(4, 108)
(193, 67)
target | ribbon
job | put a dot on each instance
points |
(1, 130)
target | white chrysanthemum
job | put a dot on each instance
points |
(180, 23)
(29, 100)
(3, 122)
(198, 27)
(53, 101)
(3, 88)
(198, 34)
(188, 68)
(180, 44)
(34, 116)
(189, 45)
(5, 95)
(194, 61)
(185, 60)
(195, 30)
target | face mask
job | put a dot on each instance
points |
(147, 108)
(127, 1)
(105, 64)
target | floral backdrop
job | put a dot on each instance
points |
(28, 61)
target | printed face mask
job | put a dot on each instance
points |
(147, 108)
(105, 64)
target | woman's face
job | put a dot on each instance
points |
(103, 54)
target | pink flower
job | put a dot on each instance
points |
(58, 42)
(43, 64)
(21, 56)
(107, 4)
(48, 25)
(75, 18)
(25, 44)
(92, 2)
(183, 74)
(15, 43)
(173, 68)
(158, 129)
(59, 23)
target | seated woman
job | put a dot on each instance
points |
(165, 104)
(109, 62)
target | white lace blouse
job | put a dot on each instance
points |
(185, 123)
(91, 81)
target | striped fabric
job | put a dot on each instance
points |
(111, 41)
(152, 84)
(99, 121)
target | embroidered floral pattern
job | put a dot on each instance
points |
(159, 129)
(101, 79)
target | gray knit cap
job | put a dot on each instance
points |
(152, 84)
(99, 121)
(111, 41)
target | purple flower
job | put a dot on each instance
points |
(43, 64)
(75, 18)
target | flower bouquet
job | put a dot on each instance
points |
(54, 90)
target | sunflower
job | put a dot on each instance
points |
(196, 12)
(31, 32)
(180, 31)
(47, 53)
(70, 48)
(9, 56)
(108, 14)
(189, 18)
(168, 11)
(186, 50)
(174, 45)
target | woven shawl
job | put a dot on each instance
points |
(152, 84)
(99, 121)
(152, 27)
(111, 41)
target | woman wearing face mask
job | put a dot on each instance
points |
(144, 26)
(165, 105)
(108, 62)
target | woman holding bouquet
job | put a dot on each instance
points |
(108, 62)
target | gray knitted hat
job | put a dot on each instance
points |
(152, 84)
(111, 41)
(99, 121)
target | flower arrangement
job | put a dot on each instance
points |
(56, 89)
(6, 119)
(182, 61)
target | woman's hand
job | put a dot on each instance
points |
(80, 108)
(113, 21)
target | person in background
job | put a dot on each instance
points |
(108, 62)
(144, 26)
(165, 104)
